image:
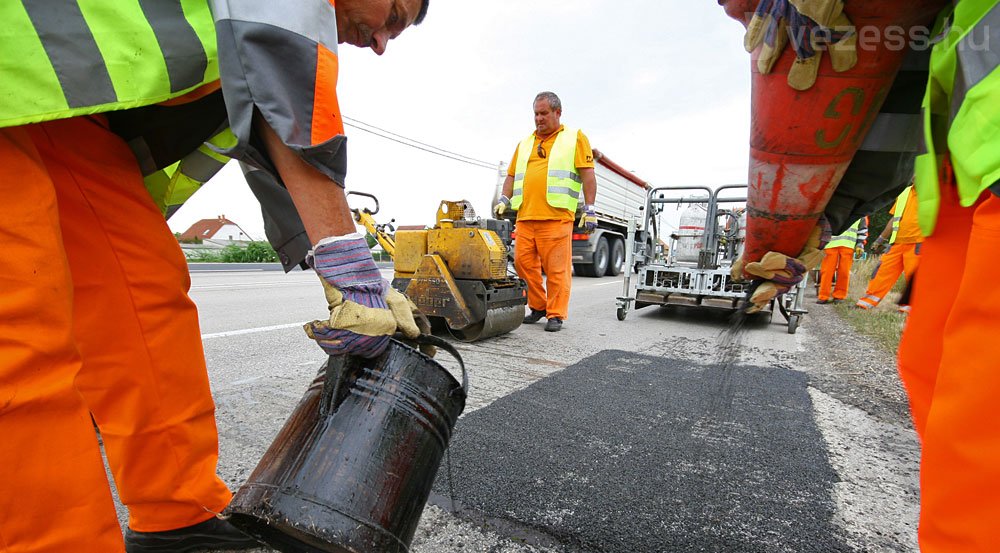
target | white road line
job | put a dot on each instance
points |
(249, 331)
(246, 380)
(618, 282)
(252, 285)
(202, 271)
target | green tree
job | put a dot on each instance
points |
(877, 222)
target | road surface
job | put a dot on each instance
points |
(664, 432)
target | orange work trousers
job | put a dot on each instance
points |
(948, 360)
(837, 261)
(546, 245)
(900, 259)
(96, 323)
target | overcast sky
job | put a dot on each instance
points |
(661, 87)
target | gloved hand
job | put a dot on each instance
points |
(859, 251)
(589, 218)
(812, 26)
(780, 272)
(364, 310)
(879, 246)
(502, 205)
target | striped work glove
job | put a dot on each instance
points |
(588, 220)
(780, 272)
(811, 26)
(364, 310)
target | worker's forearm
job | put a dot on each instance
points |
(508, 186)
(589, 186)
(321, 203)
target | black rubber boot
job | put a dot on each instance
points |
(215, 534)
(533, 317)
(553, 325)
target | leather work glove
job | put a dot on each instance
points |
(780, 272)
(502, 205)
(812, 26)
(859, 251)
(364, 310)
(589, 218)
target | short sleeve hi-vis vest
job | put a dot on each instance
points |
(961, 107)
(60, 59)
(563, 184)
(854, 236)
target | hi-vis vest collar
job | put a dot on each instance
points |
(563, 183)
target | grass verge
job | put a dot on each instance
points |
(884, 323)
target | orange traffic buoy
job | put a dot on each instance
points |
(801, 142)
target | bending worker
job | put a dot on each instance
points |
(549, 171)
(838, 260)
(902, 233)
(93, 287)
(948, 353)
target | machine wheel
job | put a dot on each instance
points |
(617, 263)
(600, 264)
(793, 323)
(622, 313)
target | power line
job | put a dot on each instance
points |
(406, 141)
(358, 122)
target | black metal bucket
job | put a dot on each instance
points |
(351, 470)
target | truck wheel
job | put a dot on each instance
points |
(617, 263)
(600, 264)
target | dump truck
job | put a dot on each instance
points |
(621, 196)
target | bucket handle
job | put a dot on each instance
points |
(338, 366)
(430, 340)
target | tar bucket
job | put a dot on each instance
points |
(353, 466)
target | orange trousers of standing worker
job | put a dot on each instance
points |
(948, 360)
(900, 259)
(546, 245)
(96, 323)
(837, 261)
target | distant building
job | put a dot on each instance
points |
(219, 230)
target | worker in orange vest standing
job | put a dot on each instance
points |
(902, 233)
(550, 171)
(839, 258)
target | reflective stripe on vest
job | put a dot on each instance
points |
(847, 240)
(61, 59)
(961, 107)
(563, 182)
(171, 187)
(898, 210)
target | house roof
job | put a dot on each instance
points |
(206, 228)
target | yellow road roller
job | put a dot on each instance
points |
(455, 272)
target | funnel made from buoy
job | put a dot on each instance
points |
(801, 142)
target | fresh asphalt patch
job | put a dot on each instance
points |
(624, 452)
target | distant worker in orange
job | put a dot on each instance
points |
(902, 233)
(550, 170)
(840, 252)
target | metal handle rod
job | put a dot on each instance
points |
(629, 255)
